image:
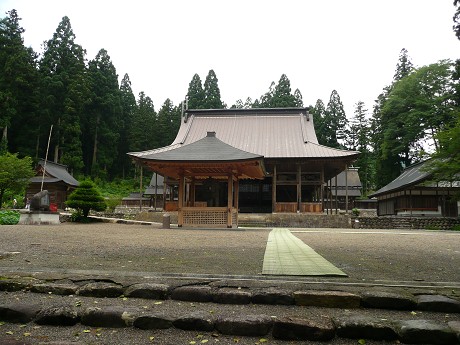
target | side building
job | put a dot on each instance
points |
(413, 193)
(56, 180)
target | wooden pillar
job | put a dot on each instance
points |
(140, 189)
(336, 196)
(229, 200)
(346, 189)
(192, 192)
(299, 188)
(330, 195)
(156, 190)
(321, 195)
(236, 196)
(165, 186)
(180, 215)
(274, 189)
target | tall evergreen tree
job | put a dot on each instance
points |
(335, 121)
(128, 105)
(211, 92)
(195, 94)
(168, 123)
(358, 140)
(143, 124)
(104, 116)
(319, 114)
(282, 96)
(18, 88)
(64, 93)
(298, 98)
(404, 66)
(387, 167)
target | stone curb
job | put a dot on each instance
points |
(237, 295)
(320, 329)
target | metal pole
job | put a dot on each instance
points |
(46, 158)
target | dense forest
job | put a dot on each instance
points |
(96, 119)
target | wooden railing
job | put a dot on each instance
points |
(207, 216)
(291, 207)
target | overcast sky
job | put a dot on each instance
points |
(351, 46)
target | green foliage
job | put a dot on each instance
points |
(85, 198)
(9, 217)
(280, 96)
(195, 93)
(103, 121)
(64, 93)
(14, 173)
(355, 212)
(456, 227)
(211, 92)
(334, 122)
(409, 115)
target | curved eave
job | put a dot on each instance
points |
(241, 169)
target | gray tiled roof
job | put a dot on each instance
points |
(59, 172)
(208, 149)
(272, 133)
(412, 175)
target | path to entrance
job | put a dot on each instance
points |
(285, 254)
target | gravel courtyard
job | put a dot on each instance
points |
(369, 255)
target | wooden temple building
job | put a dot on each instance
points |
(225, 161)
(414, 193)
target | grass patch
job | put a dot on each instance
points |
(9, 217)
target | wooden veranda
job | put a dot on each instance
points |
(203, 168)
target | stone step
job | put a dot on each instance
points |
(93, 315)
(227, 310)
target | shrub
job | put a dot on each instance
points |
(355, 212)
(9, 217)
(85, 198)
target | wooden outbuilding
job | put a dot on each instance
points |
(275, 157)
(56, 180)
(413, 193)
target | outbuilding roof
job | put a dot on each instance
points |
(412, 175)
(55, 172)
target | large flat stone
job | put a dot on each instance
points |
(18, 313)
(357, 327)
(198, 321)
(455, 326)
(288, 328)
(244, 325)
(57, 316)
(54, 288)
(148, 291)
(153, 321)
(231, 296)
(388, 300)
(426, 332)
(273, 295)
(100, 289)
(192, 293)
(328, 299)
(109, 317)
(437, 303)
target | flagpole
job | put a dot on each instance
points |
(46, 157)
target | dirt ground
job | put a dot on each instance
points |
(367, 255)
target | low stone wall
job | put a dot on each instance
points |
(425, 223)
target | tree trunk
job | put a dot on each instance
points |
(94, 161)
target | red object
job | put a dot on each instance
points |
(53, 207)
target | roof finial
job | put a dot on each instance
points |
(211, 134)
